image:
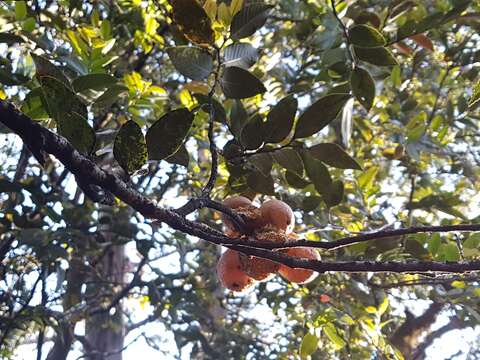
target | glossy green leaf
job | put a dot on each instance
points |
(434, 243)
(167, 134)
(450, 252)
(248, 20)
(320, 114)
(289, 159)
(191, 61)
(365, 36)
(260, 183)
(130, 148)
(241, 55)
(193, 21)
(333, 155)
(363, 87)
(20, 10)
(280, 120)
(93, 82)
(252, 135)
(75, 128)
(238, 83)
(317, 173)
(379, 56)
(365, 181)
(309, 345)
(332, 334)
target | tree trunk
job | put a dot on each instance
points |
(105, 332)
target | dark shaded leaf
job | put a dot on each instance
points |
(252, 136)
(295, 181)
(130, 148)
(44, 67)
(334, 194)
(61, 99)
(238, 117)
(241, 55)
(365, 36)
(333, 155)
(110, 96)
(191, 61)
(289, 159)
(317, 173)
(260, 183)
(10, 39)
(194, 22)
(75, 128)
(379, 56)
(33, 105)
(167, 134)
(181, 157)
(363, 87)
(239, 84)
(320, 114)
(310, 203)
(263, 162)
(232, 149)
(280, 120)
(248, 20)
(219, 111)
(94, 82)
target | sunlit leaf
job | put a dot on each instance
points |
(309, 345)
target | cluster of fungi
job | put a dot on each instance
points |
(273, 221)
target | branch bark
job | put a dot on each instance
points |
(42, 141)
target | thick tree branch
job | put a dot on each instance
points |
(45, 141)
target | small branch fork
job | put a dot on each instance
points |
(42, 141)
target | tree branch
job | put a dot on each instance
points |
(45, 141)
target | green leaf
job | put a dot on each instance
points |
(191, 61)
(363, 87)
(93, 82)
(290, 160)
(238, 117)
(193, 21)
(44, 67)
(434, 243)
(60, 99)
(261, 183)
(475, 98)
(331, 332)
(181, 157)
(308, 346)
(75, 128)
(248, 20)
(252, 136)
(241, 55)
(317, 173)
(280, 120)
(365, 181)
(295, 181)
(110, 96)
(130, 148)
(320, 114)
(333, 155)
(167, 134)
(262, 162)
(240, 84)
(333, 195)
(379, 56)
(365, 36)
(33, 105)
(450, 252)
(473, 241)
(20, 10)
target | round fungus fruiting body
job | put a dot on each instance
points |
(258, 268)
(243, 207)
(296, 275)
(230, 273)
(278, 214)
